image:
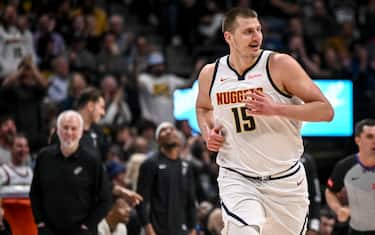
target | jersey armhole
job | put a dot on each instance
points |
(270, 78)
(214, 76)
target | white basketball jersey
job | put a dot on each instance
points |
(254, 145)
(15, 175)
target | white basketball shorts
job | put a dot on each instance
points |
(276, 207)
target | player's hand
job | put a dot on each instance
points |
(343, 214)
(215, 139)
(258, 103)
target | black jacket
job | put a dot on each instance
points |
(69, 191)
(168, 191)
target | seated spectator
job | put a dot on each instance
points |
(15, 181)
(76, 85)
(116, 172)
(117, 218)
(7, 131)
(59, 80)
(215, 222)
(327, 221)
(17, 172)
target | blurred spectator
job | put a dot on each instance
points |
(215, 222)
(17, 172)
(13, 46)
(64, 19)
(48, 43)
(297, 49)
(26, 37)
(123, 136)
(205, 170)
(7, 132)
(59, 80)
(117, 218)
(25, 91)
(156, 89)
(76, 85)
(132, 172)
(327, 221)
(209, 27)
(320, 24)
(81, 59)
(140, 53)
(167, 186)
(117, 110)
(93, 13)
(331, 64)
(367, 20)
(146, 129)
(116, 172)
(350, 188)
(114, 154)
(109, 59)
(203, 211)
(124, 39)
(184, 127)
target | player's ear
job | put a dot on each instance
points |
(227, 36)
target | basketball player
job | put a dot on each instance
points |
(250, 107)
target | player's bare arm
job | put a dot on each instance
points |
(204, 109)
(291, 79)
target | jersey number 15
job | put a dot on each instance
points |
(244, 122)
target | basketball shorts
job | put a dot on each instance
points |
(276, 206)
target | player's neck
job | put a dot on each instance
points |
(242, 63)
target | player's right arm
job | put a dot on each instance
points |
(204, 110)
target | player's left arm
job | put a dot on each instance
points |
(289, 77)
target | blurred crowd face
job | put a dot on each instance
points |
(10, 15)
(69, 131)
(157, 70)
(8, 130)
(61, 66)
(122, 211)
(326, 225)
(20, 151)
(109, 87)
(78, 83)
(116, 24)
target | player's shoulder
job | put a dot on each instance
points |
(281, 60)
(207, 70)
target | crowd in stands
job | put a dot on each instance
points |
(52, 50)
